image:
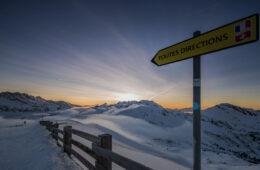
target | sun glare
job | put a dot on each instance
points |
(126, 97)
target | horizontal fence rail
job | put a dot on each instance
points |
(83, 160)
(118, 159)
(84, 148)
(101, 149)
(87, 136)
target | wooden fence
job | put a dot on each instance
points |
(101, 149)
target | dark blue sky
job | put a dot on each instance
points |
(90, 52)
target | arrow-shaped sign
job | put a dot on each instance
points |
(236, 33)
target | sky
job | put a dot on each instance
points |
(90, 52)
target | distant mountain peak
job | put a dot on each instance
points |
(23, 102)
(245, 111)
(144, 102)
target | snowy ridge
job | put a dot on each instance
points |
(144, 110)
(21, 102)
(226, 129)
(232, 130)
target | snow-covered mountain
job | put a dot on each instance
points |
(230, 134)
(232, 130)
(226, 129)
(21, 102)
(144, 110)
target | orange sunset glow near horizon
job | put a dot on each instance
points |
(177, 103)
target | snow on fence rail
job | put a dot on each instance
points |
(101, 148)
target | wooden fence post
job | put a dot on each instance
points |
(54, 131)
(105, 141)
(67, 139)
(48, 126)
(43, 123)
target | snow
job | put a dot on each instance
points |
(150, 134)
(29, 147)
(150, 130)
(149, 160)
(232, 130)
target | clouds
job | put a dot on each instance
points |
(93, 51)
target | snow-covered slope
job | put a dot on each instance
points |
(21, 102)
(227, 130)
(30, 147)
(230, 134)
(232, 130)
(148, 111)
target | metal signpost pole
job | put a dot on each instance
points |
(224, 37)
(196, 111)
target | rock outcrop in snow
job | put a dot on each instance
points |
(21, 102)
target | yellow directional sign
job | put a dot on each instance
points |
(237, 33)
